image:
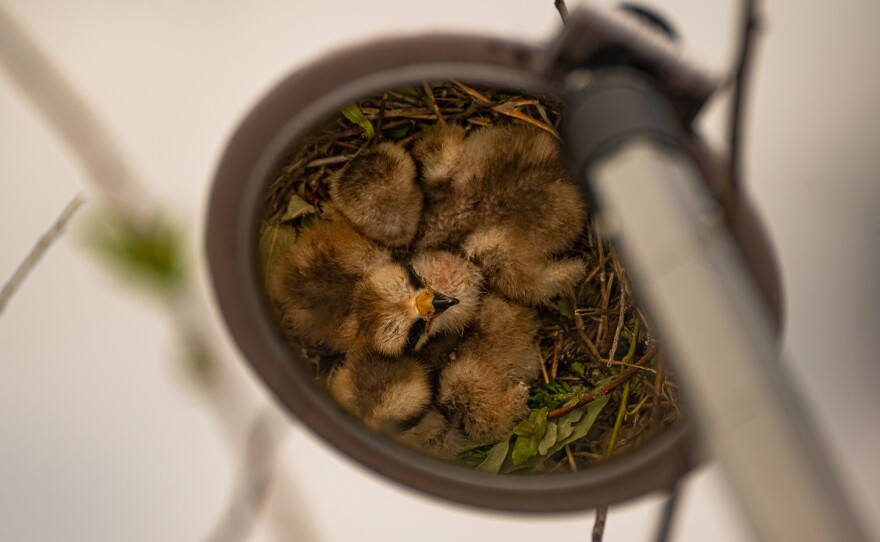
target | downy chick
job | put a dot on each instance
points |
(390, 394)
(510, 175)
(316, 279)
(486, 385)
(395, 309)
(393, 395)
(519, 271)
(502, 194)
(338, 289)
(377, 191)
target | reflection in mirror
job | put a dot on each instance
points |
(426, 251)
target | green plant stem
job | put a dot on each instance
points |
(624, 377)
(621, 412)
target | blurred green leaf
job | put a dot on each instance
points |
(578, 368)
(411, 90)
(397, 133)
(152, 253)
(495, 458)
(474, 455)
(353, 113)
(528, 436)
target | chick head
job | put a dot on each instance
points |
(396, 308)
(377, 191)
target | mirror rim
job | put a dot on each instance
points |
(251, 160)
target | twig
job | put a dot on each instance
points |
(543, 366)
(554, 367)
(624, 376)
(562, 9)
(477, 95)
(658, 391)
(254, 477)
(571, 462)
(585, 339)
(602, 512)
(510, 109)
(743, 65)
(599, 523)
(38, 250)
(330, 160)
(620, 319)
(73, 119)
(433, 103)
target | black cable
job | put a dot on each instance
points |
(667, 515)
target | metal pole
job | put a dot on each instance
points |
(690, 275)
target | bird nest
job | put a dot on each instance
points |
(603, 387)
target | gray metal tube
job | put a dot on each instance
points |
(689, 273)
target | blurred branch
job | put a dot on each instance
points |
(562, 9)
(38, 250)
(187, 305)
(598, 532)
(72, 118)
(749, 27)
(255, 474)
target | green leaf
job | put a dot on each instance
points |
(474, 455)
(528, 435)
(566, 422)
(495, 458)
(578, 368)
(549, 438)
(564, 308)
(580, 429)
(296, 209)
(353, 113)
(553, 394)
(397, 133)
(411, 90)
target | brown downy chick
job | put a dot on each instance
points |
(377, 191)
(512, 177)
(395, 309)
(435, 436)
(390, 394)
(316, 279)
(338, 289)
(486, 386)
(519, 271)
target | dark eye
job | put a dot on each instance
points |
(415, 332)
(412, 421)
(414, 279)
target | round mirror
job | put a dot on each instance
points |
(400, 252)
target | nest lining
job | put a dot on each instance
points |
(593, 345)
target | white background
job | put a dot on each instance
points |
(103, 438)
